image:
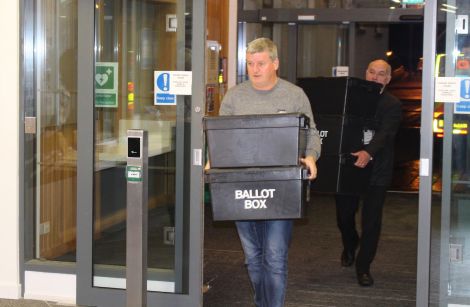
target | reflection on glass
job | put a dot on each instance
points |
(281, 38)
(333, 4)
(320, 49)
(246, 33)
(450, 255)
(55, 43)
(252, 4)
(132, 41)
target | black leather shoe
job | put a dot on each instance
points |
(365, 279)
(347, 258)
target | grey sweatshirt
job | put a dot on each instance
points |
(284, 97)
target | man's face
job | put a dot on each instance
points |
(377, 72)
(261, 70)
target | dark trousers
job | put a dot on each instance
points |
(371, 223)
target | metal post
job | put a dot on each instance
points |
(426, 156)
(137, 205)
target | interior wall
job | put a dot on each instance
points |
(217, 27)
(9, 122)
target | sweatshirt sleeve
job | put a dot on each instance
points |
(313, 137)
(226, 107)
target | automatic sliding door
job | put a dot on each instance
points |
(132, 39)
(450, 256)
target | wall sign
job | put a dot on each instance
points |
(106, 84)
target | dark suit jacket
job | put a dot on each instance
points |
(387, 118)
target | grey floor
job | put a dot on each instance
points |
(315, 275)
(29, 303)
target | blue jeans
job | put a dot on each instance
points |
(266, 244)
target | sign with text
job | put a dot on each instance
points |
(340, 71)
(168, 84)
(447, 89)
(463, 106)
(106, 84)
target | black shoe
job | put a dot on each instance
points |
(347, 258)
(365, 279)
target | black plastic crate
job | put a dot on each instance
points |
(257, 193)
(256, 140)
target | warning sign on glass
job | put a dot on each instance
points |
(168, 84)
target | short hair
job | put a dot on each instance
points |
(262, 44)
(388, 68)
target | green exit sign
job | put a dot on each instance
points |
(412, 1)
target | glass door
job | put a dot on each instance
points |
(449, 213)
(50, 139)
(132, 40)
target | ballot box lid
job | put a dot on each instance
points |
(341, 95)
(256, 121)
(255, 174)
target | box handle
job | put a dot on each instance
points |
(304, 122)
(305, 173)
(348, 159)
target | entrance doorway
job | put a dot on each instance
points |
(311, 42)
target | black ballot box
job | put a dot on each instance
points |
(257, 193)
(337, 174)
(256, 140)
(343, 107)
(340, 134)
(341, 95)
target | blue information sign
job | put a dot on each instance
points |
(163, 89)
(463, 106)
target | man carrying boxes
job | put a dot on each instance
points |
(265, 242)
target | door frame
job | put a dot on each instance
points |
(86, 293)
(426, 155)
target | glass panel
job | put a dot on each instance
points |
(450, 254)
(279, 33)
(51, 141)
(302, 4)
(252, 4)
(246, 33)
(134, 39)
(385, 4)
(321, 48)
(281, 38)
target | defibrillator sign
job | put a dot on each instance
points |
(106, 84)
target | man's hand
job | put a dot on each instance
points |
(208, 165)
(309, 162)
(363, 158)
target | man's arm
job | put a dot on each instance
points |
(309, 162)
(313, 137)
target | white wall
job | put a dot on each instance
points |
(9, 153)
